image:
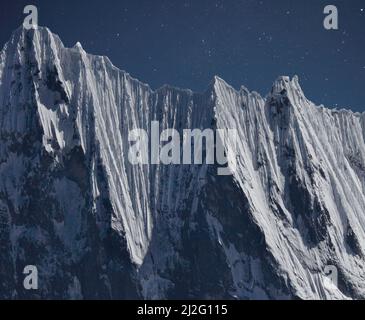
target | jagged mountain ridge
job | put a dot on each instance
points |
(98, 227)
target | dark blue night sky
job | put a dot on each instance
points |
(246, 42)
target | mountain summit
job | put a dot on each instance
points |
(98, 227)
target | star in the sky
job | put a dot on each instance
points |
(219, 5)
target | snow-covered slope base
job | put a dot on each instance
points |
(98, 227)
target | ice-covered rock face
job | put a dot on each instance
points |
(98, 227)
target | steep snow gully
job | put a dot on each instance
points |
(97, 226)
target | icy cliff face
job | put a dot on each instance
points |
(97, 226)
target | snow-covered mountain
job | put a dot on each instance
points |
(98, 227)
